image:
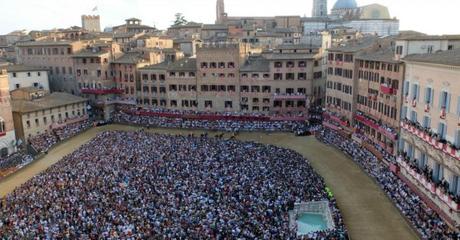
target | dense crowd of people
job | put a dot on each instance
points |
(150, 186)
(44, 141)
(220, 125)
(428, 224)
(16, 159)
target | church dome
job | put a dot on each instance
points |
(345, 4)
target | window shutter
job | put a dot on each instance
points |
(448, 103)
(441, 100)
(458, 106)
(427, 95)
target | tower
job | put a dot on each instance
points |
(91, 23)
(319, 8)
(220, 11)
(7, 134)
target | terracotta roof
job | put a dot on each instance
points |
(214, 27)
(160, 66)
(355, 45)
(382, 55)
(23, 68)
(450, 58)
(130, 58)
(44, 43)
(256, 64)
(430, 37)
(186, 64)
(53, 100)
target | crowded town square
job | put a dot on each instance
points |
(334, 167)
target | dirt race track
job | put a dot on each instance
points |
(368, 213)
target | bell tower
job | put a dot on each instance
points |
(220, 12)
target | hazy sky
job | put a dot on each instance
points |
(434, 17)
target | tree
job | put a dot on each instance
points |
(180, 19)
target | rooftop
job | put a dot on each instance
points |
(160, 66)
(23, 68)
(186, 64)
(449, 58)
(214, 27)
(429, 37)
(288, 56)
(130, 58)
(44, 43)
(53, 100)
(382, 55)
(355, 45)
(90, 53)
(256, 64)
(187, 25)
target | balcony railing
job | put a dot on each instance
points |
(336, 119)
(433, 141)
(387, 90)
(101, 91)
(429, 185)
(68, 121)
(391, 135)
(290, 96)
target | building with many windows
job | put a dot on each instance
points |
(20, 76)
(379, 100)
(431, 130)
(342, 78)
(226, 78)
(35, 111)
(57, 57)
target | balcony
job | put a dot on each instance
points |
(101, 91)
(387, 90)
(428, 138)
(68, 121)
(421, 180)
(293, 96)
(381, 129)
(336, 119)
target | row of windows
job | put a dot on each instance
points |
(277, 76)
(340, 87)
(227, 104)
(61, 70)
(29, 74)
(91, 60)
(98, 73)
(340, 57)
(221, 88)
(426, 123)
(290, 76)
(444, 98)
(47, 51)
(51, 110)
(346, 73)
(438, 170)
(382, 108)
(217, 65)
(291, 64)
(379, 66)
(45, 120)
(339, 103)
